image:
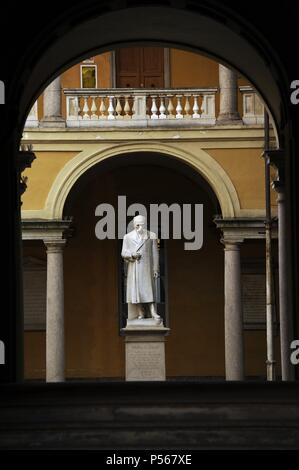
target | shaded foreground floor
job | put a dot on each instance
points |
(161, 415)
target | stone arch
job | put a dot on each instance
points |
(201, 162)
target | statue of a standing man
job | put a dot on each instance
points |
(140, 251)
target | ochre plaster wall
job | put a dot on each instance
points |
(41, 175)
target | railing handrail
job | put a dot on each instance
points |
(137, 91)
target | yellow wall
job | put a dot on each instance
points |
(245, 167)
(195, 346)
(41, 175)
(192, 70)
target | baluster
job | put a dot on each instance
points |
(77, 107)
(162, 108)
(134, 106)
(119, 109)
(102, 108)
(195, 114)
(179, 108)
(94, 108)
(86, 108)
(170, 108)
(147, 107)
(187, 108)
(111, 108)
(127, 108)
(79, 110)
(154, 108)
(203, 106)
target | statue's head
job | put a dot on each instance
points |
(139, 223)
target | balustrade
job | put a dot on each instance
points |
(119, 107)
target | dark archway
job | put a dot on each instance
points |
(94, 275)
(79, 30)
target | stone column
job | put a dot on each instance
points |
(52, 105)
(228, 96)
(233, 314)
(55, 311)
(286, 327)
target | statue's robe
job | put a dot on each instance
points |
(140, 273)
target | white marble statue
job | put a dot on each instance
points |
(140, 251)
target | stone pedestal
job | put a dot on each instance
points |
(145, 350)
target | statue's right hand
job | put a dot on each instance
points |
(136, 256)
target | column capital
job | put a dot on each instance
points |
(25, 159)
(243, 228)
(47, 230)
(277, 160)
(279, 187)
(55, 246)
(231, 244)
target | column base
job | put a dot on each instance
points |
(229, 118)
(52, 121)
(145, 353)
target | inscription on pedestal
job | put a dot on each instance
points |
(145, 360)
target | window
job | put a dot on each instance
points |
(88, 76)
(254, 299)
(35, 293)
(254, 294)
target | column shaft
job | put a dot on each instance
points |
(55, 313)
(52, 105)
(233, 315)
(228, 95)
(286, 327)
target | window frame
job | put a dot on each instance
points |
(89, 65)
